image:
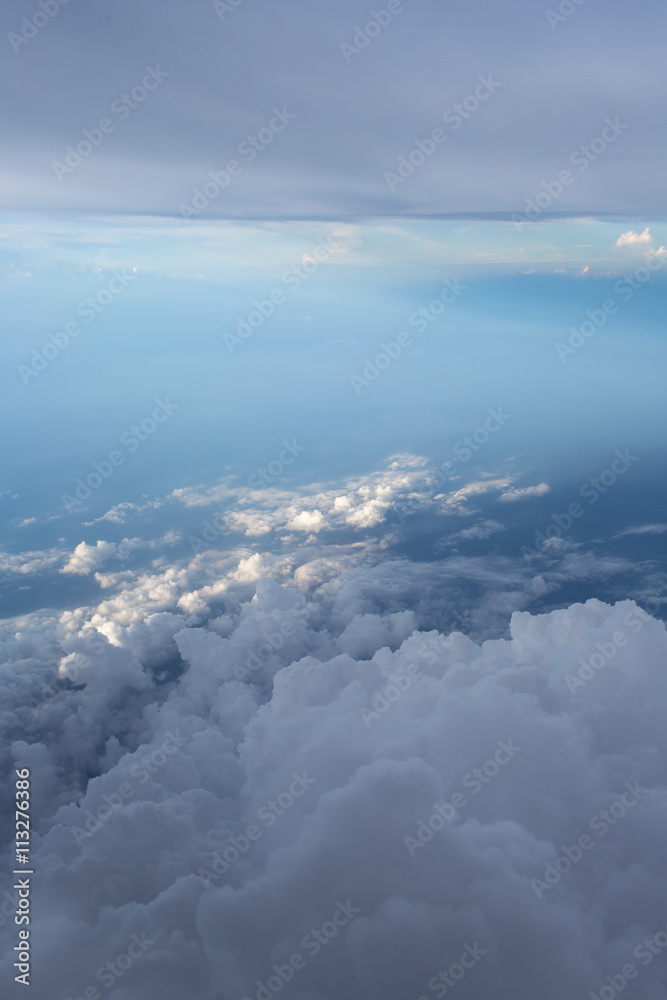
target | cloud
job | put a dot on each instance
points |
(28, 563)
(478, 532)
(511, 496)
(86, 558)
(161, 151)
(228, 747)
(224, 820)
(643, 529)
(122, 512)
(630, 238)
(307, 521)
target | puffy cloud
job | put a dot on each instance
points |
(298, 767)
(631, 238)
(307, 521)
(28, 563)
(229, 752)
(87, 558)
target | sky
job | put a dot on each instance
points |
(332, 565)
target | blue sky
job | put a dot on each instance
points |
(170, 327)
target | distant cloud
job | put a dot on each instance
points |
(87, 558)
(307, 520)
(123, 511)
(481, 531)
(510, 496)
(629, 238)
(643, 529)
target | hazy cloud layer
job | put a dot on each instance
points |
(362, 101)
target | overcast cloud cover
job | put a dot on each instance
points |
(332, 566)
(555, 82)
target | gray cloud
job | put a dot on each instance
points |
(353, 119)
(220, 784)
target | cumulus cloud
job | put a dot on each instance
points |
(307, 521)
(631, 238)
(229, 749)
(28, 563)
(220, 788)
(87, 558)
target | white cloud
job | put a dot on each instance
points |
(630, 238)
(643, 529)
(121, 512)
(27, 563)
(477, 532)
(511, 496)
(87, 558)
(307, 521)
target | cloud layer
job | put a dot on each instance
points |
(365, 93)
(280, 763)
